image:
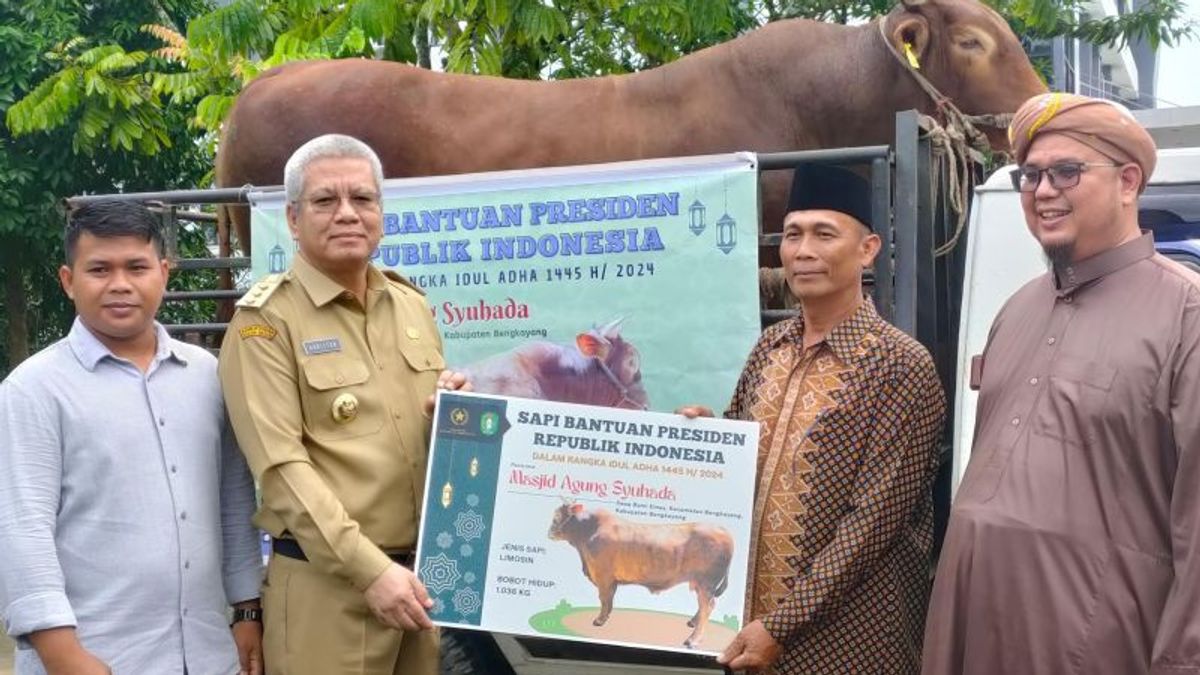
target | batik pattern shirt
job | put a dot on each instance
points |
(844, 514)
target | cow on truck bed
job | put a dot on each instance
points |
(790, 85)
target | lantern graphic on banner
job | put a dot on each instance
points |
(696, 217)
(275, 262)
(726, 233)
(726, 225)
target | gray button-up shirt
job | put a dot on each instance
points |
(125, 507)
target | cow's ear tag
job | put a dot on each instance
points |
(912, 56)
(577, 508)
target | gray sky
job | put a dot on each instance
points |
(1178, 81)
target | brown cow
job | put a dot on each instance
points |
(658, 556)
(601, 368)
(789, 85)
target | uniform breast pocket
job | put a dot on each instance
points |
(426, 362)
(339, 401)
(1073, 405)
(424, 357)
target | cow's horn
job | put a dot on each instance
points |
(610, 329)
(912, 3)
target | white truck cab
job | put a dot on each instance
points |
(1001, 256)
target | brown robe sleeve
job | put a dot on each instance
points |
(1177, 641)
(896, 475)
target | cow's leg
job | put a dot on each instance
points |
(608, 589)
(706, 602)
(583, 563)
(695, 617)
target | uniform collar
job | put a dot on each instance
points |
(1069, 278)
(847, 339)
(323, 290)
(90, 351)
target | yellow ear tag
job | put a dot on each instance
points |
(912, 56)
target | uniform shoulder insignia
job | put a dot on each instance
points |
(401, 280)
(260, 292)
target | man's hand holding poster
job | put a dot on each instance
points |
(587, 523)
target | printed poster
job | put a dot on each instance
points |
(587, 523)
(631, 284)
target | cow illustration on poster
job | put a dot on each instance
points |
(601, 368)
(615, 551)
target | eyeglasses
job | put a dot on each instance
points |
(361, 202)
(1062, 175)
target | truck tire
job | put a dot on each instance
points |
(468, 652)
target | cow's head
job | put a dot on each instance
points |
(969, 53)
(564, 517)
(620, 359)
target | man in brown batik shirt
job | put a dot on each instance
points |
(851, 410)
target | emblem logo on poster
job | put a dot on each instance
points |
(459, 416)
(489, 424)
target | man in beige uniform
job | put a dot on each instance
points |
(328, 370)
(1074, 541)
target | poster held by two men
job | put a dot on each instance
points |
(588, 523)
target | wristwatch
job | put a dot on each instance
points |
(240, 615)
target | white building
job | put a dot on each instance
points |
(1127, 75)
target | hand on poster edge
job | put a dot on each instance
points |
(693, 411)
(399, 600)
(752, 647)
(449, 380)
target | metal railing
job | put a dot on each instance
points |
(912, 288)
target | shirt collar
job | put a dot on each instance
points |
(1069, 278)
(848, 338)
(90, 350)
(323, 290)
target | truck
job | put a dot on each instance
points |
(938, 277)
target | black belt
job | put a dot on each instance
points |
(290, 548)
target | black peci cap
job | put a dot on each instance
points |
(817, 186)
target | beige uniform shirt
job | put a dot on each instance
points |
(326, 397)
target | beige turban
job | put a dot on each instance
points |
(1104, 126)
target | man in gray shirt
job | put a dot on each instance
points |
(125, 504)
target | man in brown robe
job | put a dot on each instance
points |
(851, 410)
(1074, 541)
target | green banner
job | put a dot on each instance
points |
(630, 284)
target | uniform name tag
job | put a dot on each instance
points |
(322, 346)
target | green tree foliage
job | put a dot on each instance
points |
(39, 42)
(116, 94)
(1155, 22)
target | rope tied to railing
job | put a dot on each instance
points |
(951, 138)
(953, 162)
